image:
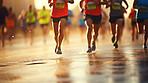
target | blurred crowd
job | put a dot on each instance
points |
(28, 19)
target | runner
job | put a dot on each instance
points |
(44, 18)
(10, 23)
(3, 15)
(142, 18)
(134, 31)
(59, 16)
(93, 17)
(116, 18)
(30, 20)
(23, 24)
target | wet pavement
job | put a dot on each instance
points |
(39, 64)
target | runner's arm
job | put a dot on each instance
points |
(124, 9)
(50, 3)
(71, 1)
(81, 5)
(108, 4)
(126, 4)
(134, 5)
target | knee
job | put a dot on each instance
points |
(56, 34)
(89, 29)
(63, 23)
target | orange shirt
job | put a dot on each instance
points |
(60, 8)
(92, 8)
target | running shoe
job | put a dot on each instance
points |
(113, 39)
(59, 51)
(89, 50)
(144, 46)
(93, 47)
(115, 44)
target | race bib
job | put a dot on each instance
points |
(143, 10)
(91, 6)
(60, 4)
(116, 6)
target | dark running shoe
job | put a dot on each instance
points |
(113, 39)
(144, 46)
(89, 50)
(115, 45)
(58, 51)
(93, 47)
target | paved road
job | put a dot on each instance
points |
(22, 63)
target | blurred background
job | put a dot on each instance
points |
(19, 5)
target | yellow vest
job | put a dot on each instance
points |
(30, 17)
(44, 16)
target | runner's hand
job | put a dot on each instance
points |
(127, 7)
(50, 5)
(82, 10)
(71, 1)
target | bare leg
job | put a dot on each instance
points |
(119, 22)
(140, 30)
(136, 32)
(113, 28)
(2, 35)
(55, 25)
(10, 34)
(62, 29)
(145, 33)
(25, 35)
(133, 32)
(89, 31)
(44, 32)
(96, 29)
(30, 32)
